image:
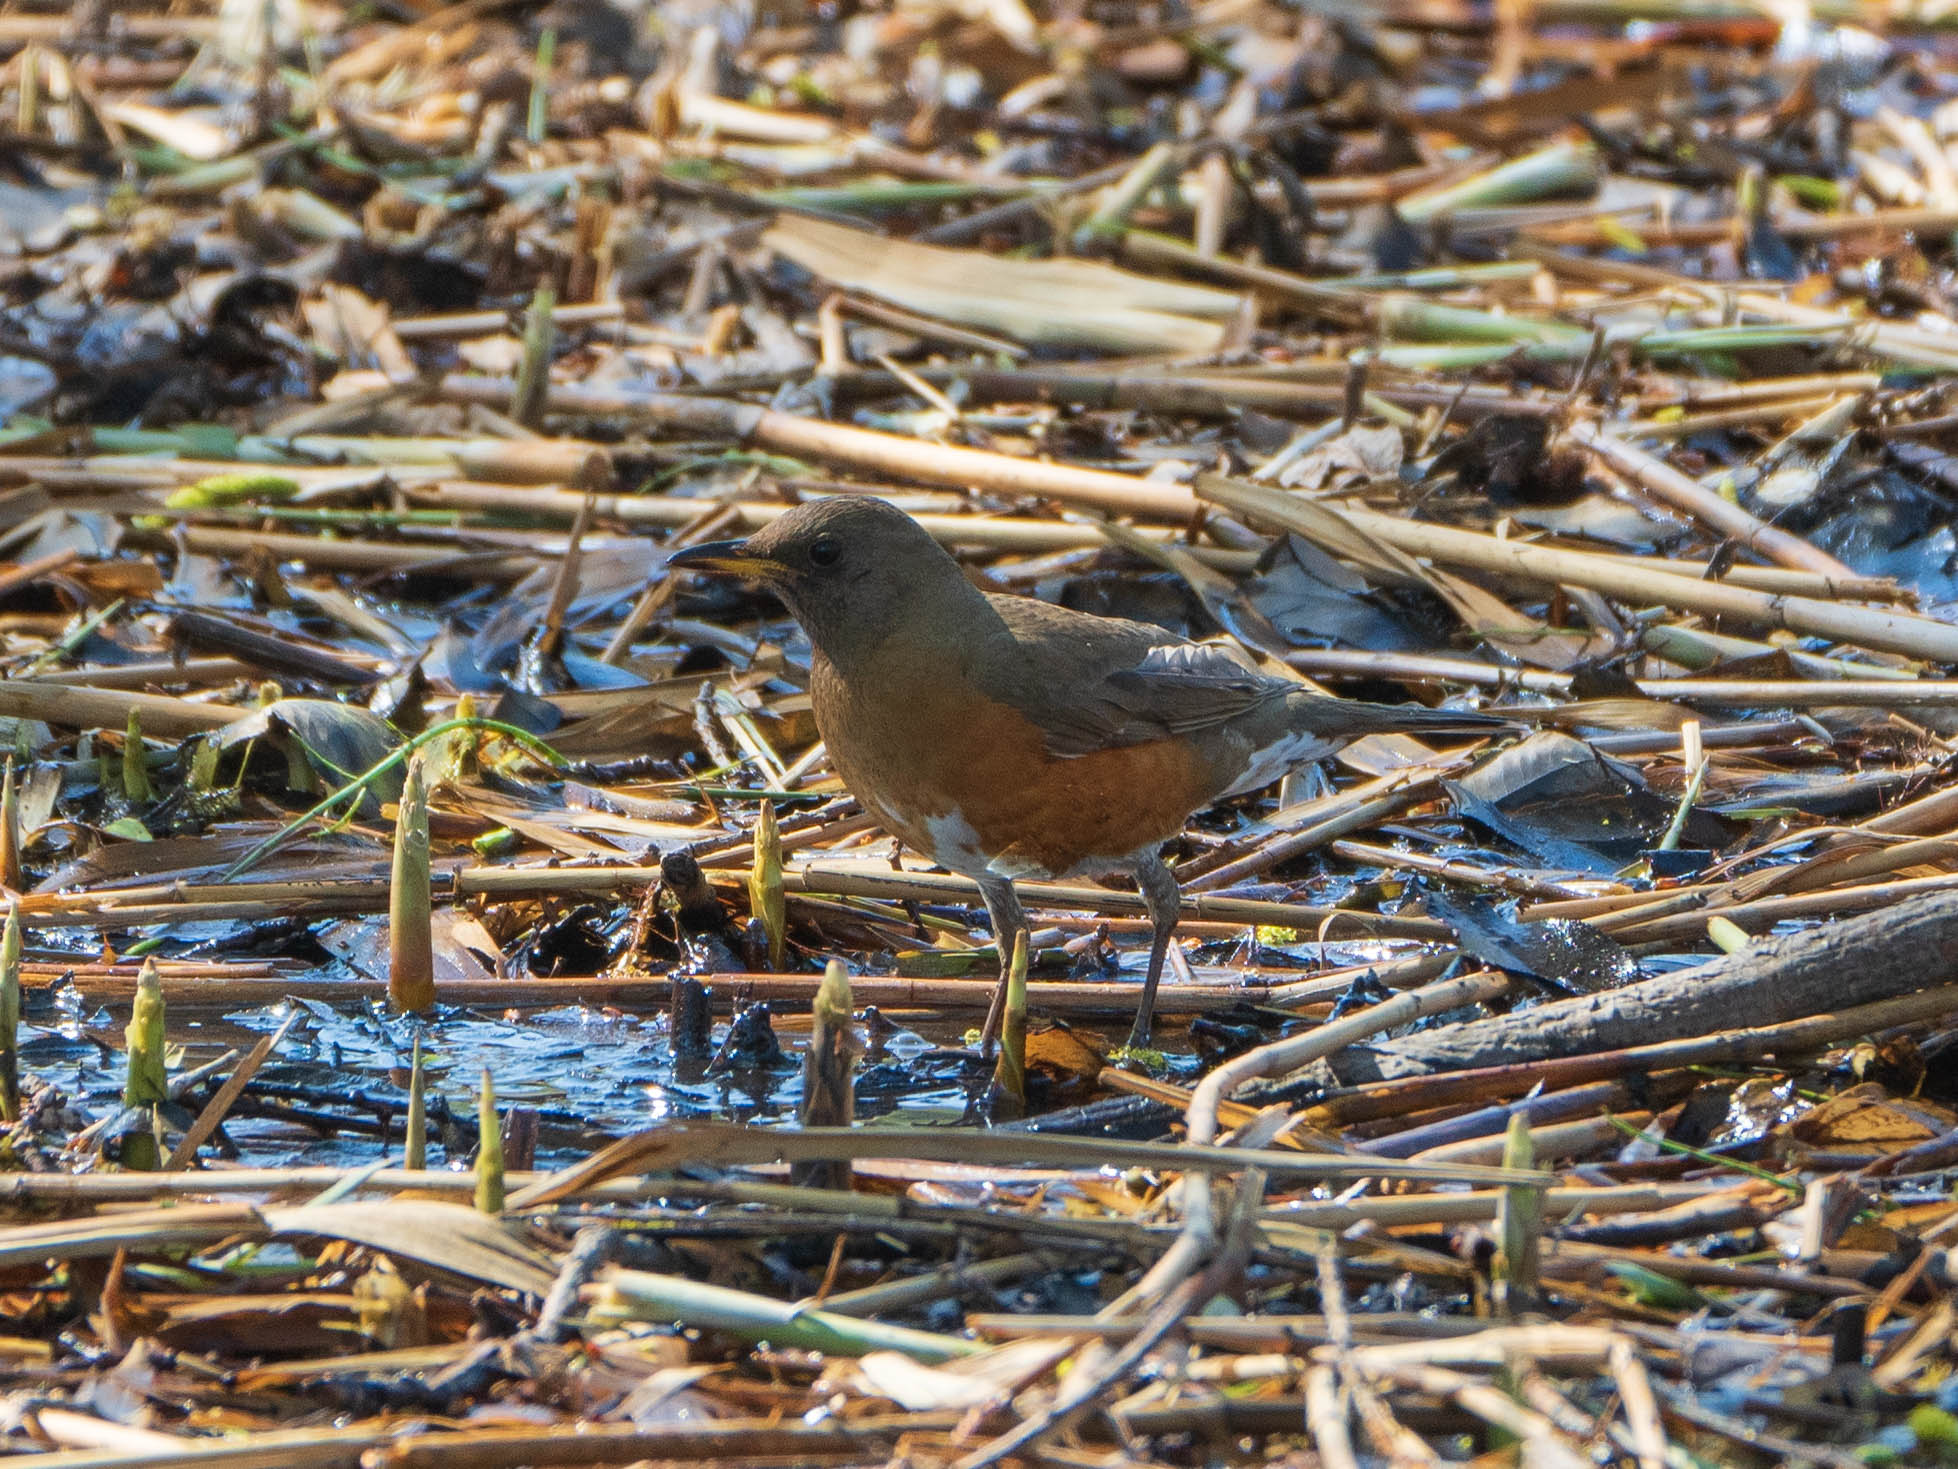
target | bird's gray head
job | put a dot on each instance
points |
(852, 570)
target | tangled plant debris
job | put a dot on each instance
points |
(450, 1010)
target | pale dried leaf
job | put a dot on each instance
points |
(1052, 303)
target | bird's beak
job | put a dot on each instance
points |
(721, 558)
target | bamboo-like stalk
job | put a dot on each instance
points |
(10, 1016)
(76, 1190)
(1123, 197)
(71, 706)
(1561, 168)
(1878, 691)
(493, 564)
(10, 834)
(1889, 632)
(1697, 648)
(788, 433)
(1519, 1226)
(166, 902)
(141, 675)
(146, 1082)
(1686, 494)
(339, 1446)
(1311, 388)
(1761, 915)
(487, 323)
(941, 1284)
(215, 1111)
(1395, 793)
(135, 769)
(1075, 999)
(942, 887)
(720, 1144)
(640, 1295)
(1124, 494)
(1503, 879)
(534, 372)
(108, 473)
(1010, 1071)
(411, 944)
(1031, 536)
(1328, 300)
(766, 896)
(1772, 411)
(827, 1097)
(1413, 319)
(489, 1149)
(717, 1440)
(414, 1139)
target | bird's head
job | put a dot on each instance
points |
(850, 569)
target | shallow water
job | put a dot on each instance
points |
(590, 1074)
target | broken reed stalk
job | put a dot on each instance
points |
(414, 1139)
(1832, 683)
(1075, 999)
(1198, 1239)
(687, 1144)
(411, 942)
(1010, 1072)
(1123, 197)
(1672, 918)
(1348, 812)
(1519, 1226)
(168, 902)
(1686, 494)
(75, 707)
(135, 768)
(969, 469)
(146, 1082)
(1558, 1140)
(1858, 961)
(71, 1191)
(828, 1098)
(767, 900)
(913, 459)
(976, 531)
(489, 1150)
(640, 1295)
(1375, 1100)
(1890, 632)
(10, 1016)
(1558, 169)
(534, 371)
(208, 1121)
(10, 870)
(961, 1278)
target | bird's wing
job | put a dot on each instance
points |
(1099, 683)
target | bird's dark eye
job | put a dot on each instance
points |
(825, 551)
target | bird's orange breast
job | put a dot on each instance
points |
(968, 781)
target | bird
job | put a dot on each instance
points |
(1009, 739)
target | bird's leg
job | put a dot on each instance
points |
(1164, 901)
(1009, 921)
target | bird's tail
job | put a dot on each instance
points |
(1349, 719)
(1307, 727)
(1417, 719)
